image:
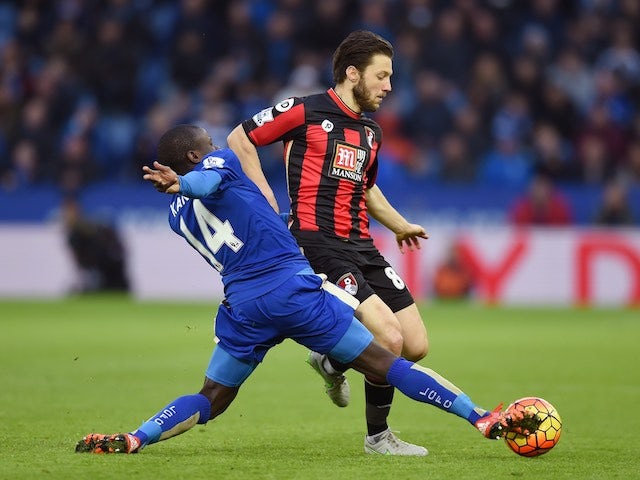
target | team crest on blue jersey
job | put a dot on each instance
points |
(348, 283)
(213, 162)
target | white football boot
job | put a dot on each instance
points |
(386, 443)
(336, 385)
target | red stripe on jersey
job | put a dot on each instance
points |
(342, 208)
(368, 182)
(272, 131)
(312, 164)
(364, 219)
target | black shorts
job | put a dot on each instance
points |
(361, 273)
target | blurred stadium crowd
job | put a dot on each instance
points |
(501, 93)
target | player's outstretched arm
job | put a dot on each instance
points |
(407, 234)
(163, 178)
(246, 151)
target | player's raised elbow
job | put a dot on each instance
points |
(238, 141)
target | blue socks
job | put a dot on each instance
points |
(425, 385)
(176, 418)
(416, 382)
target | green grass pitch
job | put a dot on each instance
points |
(108, 363)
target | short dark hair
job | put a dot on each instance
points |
(358, 49)
(174, 145)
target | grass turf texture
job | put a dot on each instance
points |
(107, 363)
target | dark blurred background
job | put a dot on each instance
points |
(502, 111)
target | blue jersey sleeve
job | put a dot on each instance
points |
(198, 184)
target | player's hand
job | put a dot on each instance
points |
(410, 237)
(163, 178)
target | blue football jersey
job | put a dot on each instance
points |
(237, 231)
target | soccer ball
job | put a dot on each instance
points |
(540, 429)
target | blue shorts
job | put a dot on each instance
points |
(299, 309)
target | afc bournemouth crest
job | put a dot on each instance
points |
(371, 136)
(348, 283)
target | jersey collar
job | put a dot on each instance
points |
(343, 106)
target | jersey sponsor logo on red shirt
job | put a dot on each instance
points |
(348, 162)
(348, 283)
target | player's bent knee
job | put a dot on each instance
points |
(374, 362)
(391, 340)
(219, 396)
(416, 354)
(415, 351)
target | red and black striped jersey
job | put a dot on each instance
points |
(330, 155)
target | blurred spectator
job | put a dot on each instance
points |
(216, 119)
(622, 57)
(303, 80)
(552, 156)
(630, 9)
(453, 279)
(512, 121)
(587, 33)
(55, 82)
(15, 83)
(408, 60)
(542, 26)
(244, 43)
(612, 93)
(526, 78)
(112, 51)
(486, 34)
(35, 126)
(326, 26)
(450, 53)
(507, 164)
(610, 138)
(66, 42)
(24, 168)
(97, 251)
(557, 109)
(281, 29)
(535, 42)
(614, 209)
(429, 117)
(374, 15)
(76, 167)
(414, 15)
(487, 84)
(594, 160)
(456, 164)
(571, 74)
(189, 60)
(469, 124)
(541, 205)
(30, 27)
(398, 149)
